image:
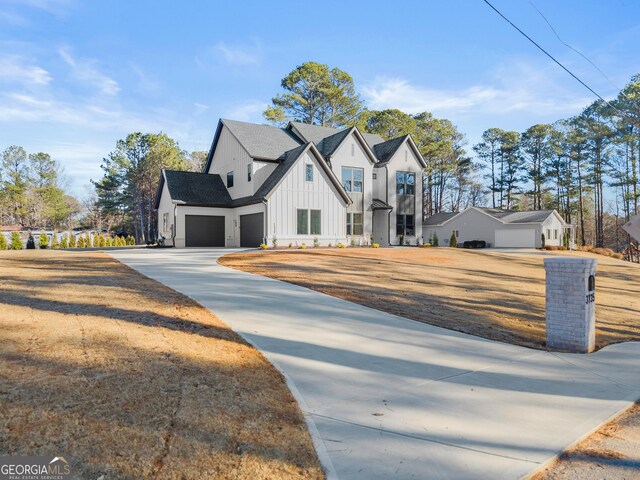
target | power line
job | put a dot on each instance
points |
(556, 61)
(570, 47)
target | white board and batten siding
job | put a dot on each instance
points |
(351, 153)
(230, 156)
(404, 160)
(294, 193)
(165, 207)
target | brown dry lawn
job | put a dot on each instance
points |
(485, 293)
(132, 380)
(611, 453)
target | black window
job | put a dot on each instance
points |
(352, 179)
(229, 179)
(308, 173)
(315, 220)
(303, 222)
(249, 172)
(405, 225)
(354, 223)
(405, 183)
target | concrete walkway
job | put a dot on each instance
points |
(387, 397)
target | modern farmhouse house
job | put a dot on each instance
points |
(499, 228)
(297, 184)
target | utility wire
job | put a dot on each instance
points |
(575, 50)
(624, 115)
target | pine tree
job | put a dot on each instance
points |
(3, 241)
(72, 240)
(55, 243)
(131, 240)
(453, 242)
(43, 241)
(436, 242)
(16, 241)
(64, 242)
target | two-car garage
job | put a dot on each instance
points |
(209, 230)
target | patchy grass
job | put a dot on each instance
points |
(490, 294)
(132, 380)
(612, 453)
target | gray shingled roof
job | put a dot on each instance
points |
(314, 133)
(527, 217)
(372, 139)
(197, 188)
(328, 145)
(262, 141)
(385, 150)
(438, 218)
(286, 162)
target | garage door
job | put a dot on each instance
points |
(515, 238)
(251, 230)
(204, 231)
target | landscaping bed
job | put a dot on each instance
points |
(490, 294)
(128, 379)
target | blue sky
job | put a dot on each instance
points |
(75, 76)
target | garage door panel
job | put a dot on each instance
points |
(204, 231)
(251, 230)
(515, 238)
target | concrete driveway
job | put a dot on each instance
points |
(386, 397)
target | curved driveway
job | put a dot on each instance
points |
(386, 397)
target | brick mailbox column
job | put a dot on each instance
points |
(571, 304)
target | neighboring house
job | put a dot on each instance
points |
(296, 184)
(499, 228)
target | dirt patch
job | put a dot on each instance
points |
(132, 380)
(489, 294)
(612, 453)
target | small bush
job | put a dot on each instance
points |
(43, 241)
(543, 240)
(375, 245)
(435, 241)
(426, 245)
(131, 240)
(3, 242)
(401, 240)
(316, 242)
(290, 245)
(264, 246)
(341, 245)
(618, 256)
(550, 248)
(330, 245)
(55, 243)
(72, 240)
(453, 241)
(16, 241)
(303, 246)
(352, 242)
(274, 241)
(64, 241)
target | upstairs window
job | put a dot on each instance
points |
(308, 172)
(303, 222)
(405, 183)
(249, 172)
(229, 179)
(352, 179)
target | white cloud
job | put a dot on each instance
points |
(236, 55)
(517, 88)
(249, 111)
(16, 68)
(85, 71)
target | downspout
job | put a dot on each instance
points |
(175, 221)
(266, 219)
(386, 184)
